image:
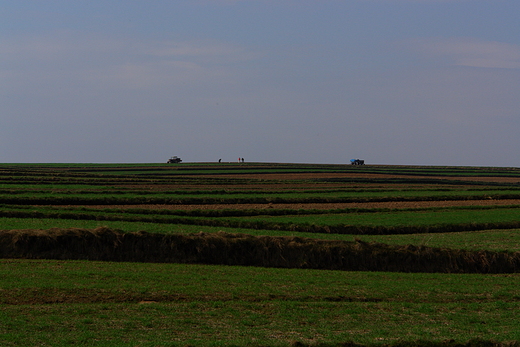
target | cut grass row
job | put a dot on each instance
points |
(37, 179)
(237, 250)
(491, 240)
(308, 188)
(399, 218)
(137, 167)
(360, 222)
(439, 194)
(184, 169)
(259, 198)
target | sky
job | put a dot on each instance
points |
(399, 82)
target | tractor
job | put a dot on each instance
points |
(174, 160)
(357, 162)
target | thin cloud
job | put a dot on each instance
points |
(471, 52)
(147, 75)
(190, 49)
(110, 62)
(420, 1)
(201, 50)
(56, 46)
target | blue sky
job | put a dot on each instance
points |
(420, 82)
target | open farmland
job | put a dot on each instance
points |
(208, 254)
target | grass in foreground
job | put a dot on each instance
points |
(239, 323)
(62, 303)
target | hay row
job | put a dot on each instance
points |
(144, 200)
(269, 210)
(104, 244)
(266, 225)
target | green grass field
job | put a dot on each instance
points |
(112, 304)
(66, 302)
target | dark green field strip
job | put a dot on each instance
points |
(289, 212)
(441, 170)
(407, 217)
(491, 240)
(401, 218)
(415, 181)
(386, 223)
(449, 172)
(99, 216)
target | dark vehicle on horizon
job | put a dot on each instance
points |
(174, 160)
(357, 162)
